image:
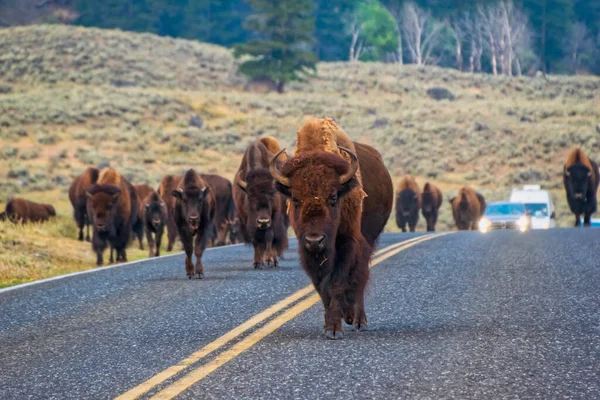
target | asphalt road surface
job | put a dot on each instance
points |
(464, 315)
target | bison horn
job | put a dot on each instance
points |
(277, 175)
(239, 181)
(353, 166)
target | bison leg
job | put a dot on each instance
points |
(188, 246)
(158, 236)
(112, 258)
(259, 254)
(333, 315)
(199, 247)
(150, 240)
(577, 220)
(270, 253)
(99, 245)
(171, 233)
(587, 219)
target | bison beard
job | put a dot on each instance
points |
(194, 212)
(580, 178)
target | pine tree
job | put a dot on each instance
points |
(281, 48)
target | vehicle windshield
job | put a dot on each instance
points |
(537, 209)
(505, 209)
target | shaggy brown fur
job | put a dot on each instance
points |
(324, 213)
(431, 201)
(194, 211)
(272, 146)
(167, 184)
(467, 208)
(24, 211)
(408, 203)
(154, 215)
(142, 192)
(221, 188)
(259, 207)
(79, 200)
(580, 178)
(113, 206)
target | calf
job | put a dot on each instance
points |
(142, 192)
(194, 211)
(166, 187)
(154, 217)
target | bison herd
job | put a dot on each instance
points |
(335, 193)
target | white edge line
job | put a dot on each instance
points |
(99, 269)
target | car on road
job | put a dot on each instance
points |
(505, 215)
(539, 205)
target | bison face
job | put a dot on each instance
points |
(154, 213)
(260, 191)
(191, 202)
(102, 206)
(577, 178)
(316, 182)
(408, 203)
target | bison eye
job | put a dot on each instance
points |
(333, 200)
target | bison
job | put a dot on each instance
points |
(222, 190)
(580, 177)
(24, 211)
(78, 199)
(431, 201)
(336, 227)
(467, 208)
(154, 215)
(408, 203)
(166, 187)
(193, 211)
(113, 206)
(142, 192)
(261, 209)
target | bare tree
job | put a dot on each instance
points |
(354, 27)
(395, 9)
(578, 45)
(471, 26)
(421, 33)
(516, 36)
(491, 26)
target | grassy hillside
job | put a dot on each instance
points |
(72, 97)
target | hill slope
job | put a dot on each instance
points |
(74, 96)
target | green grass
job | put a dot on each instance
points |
(67, 108)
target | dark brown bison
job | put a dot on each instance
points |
(431, 201)
(24, 211)
(467, 208)
(259, 206)
(113, 206)
(408, 203)
(78, 199)
(580, 177)
(154, 215)
(335, 225)
(194, 211)
(221, 188)
(142, 192)
(166, 187)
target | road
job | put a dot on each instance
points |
(464, 315)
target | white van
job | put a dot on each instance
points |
(538, 204)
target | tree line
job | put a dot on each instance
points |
(287, 37)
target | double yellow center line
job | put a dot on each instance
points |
(292, 306)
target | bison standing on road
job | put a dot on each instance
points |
(113, 206)
(467, 208)
(431, 201)
(166, 187)
(580, 177)
(221, 188)
(78, 199)
(194, 211)
(154, 216)
(24, 211)
(259, 206)
(335, 225)
(142, 192)
(408, 203)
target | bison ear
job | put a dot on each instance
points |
(285, 190)
(205, 191)
(177, 193)
(347, 187)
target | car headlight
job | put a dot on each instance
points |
(484, 225)
(523, 223)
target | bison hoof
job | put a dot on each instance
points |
(334, 335)
(200, 275)
(361, 326)
(190, 276)
(258, 265)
